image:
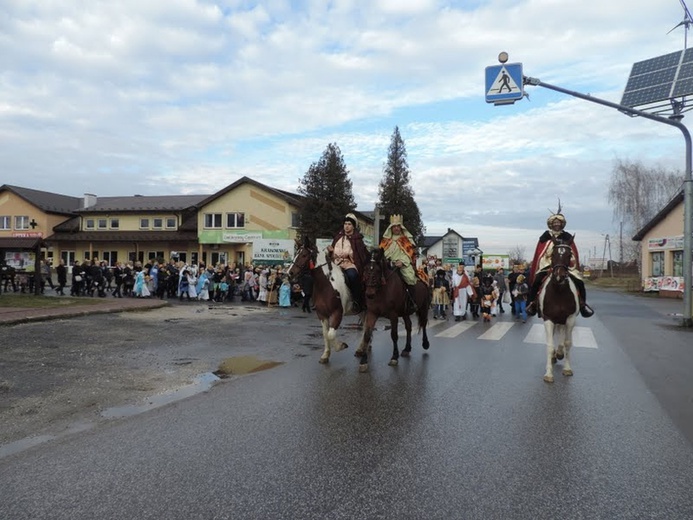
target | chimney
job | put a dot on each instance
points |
(89, 200)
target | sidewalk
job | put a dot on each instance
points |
(14, 315)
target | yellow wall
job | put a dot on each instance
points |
(670, 226)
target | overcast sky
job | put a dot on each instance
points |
(185, 96)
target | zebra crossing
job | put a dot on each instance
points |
(535, 333)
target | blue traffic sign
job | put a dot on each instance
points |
(504, 83)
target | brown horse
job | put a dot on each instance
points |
(559, 303)
(331, 296)
(386, 296)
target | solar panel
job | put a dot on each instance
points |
(659, 79)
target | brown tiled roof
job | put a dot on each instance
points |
(46, 201)
(123, 236)
(142, 203)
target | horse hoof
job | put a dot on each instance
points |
(560, 356)
(548, 379)
(341, 346)
(405, 353)
(393, 363)
(553, 360)
(567, 372)
(363, 368)
(324, 360)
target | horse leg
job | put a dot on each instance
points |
(334, 321)
(365, 346)
(325, 358)
(550, 351)
(567, 370)
(423, 323)
(407, 347)
(393, 334)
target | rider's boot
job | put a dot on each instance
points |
(411, 303)
(585, 310)
(532, 308)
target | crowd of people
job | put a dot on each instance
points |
(481, 294)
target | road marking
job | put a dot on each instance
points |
(456, 330)
(582, 336)
(497, 331)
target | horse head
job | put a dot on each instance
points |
(373, 272)
(560, 261)
(305, 256)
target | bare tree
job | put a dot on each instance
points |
(637, 194)
(517, 255)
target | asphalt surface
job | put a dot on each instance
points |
(467, 430)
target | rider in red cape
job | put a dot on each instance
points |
(351, 254)
(541, 264)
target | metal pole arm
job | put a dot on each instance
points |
(687, 185)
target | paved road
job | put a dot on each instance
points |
(468, 430)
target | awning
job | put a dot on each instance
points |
(20, 243)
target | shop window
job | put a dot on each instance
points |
(677, 257)
(658, 263)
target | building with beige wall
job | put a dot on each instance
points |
(662, 250)
(245, 222)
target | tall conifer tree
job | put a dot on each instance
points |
(328, 195)
(396, 195)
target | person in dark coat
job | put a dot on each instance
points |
(61, 270)
(307, 286)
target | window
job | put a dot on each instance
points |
(115, 223)
(136, 257)
(658, 263)
(21, 222)
(157, 223)
(193, 257)
(110, 257)
(171, 223)
(295, 219)
(235, 220)
(68, 257)
(678, 263)
(144, 223)
(88, 257)
(103, 223)
(183, 256)
(89, 223)
(213, 220)
(155, 255)
(6, 222)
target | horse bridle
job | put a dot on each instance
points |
(565, 267)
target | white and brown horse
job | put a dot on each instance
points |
(331, 296)
(559, 303)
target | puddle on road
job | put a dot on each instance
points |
(240, 365)
(202, 383)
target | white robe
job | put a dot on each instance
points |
(459, 304)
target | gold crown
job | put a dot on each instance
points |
(396, 220)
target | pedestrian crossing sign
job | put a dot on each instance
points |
(504, 83)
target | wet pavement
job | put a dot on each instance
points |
(14, 315)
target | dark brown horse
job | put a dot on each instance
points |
(559, 304)
(331, 296)
(386, 297)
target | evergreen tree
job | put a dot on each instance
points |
(328, 195)
(396, 195)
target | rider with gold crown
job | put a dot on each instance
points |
(400, 250)
(541, 264)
